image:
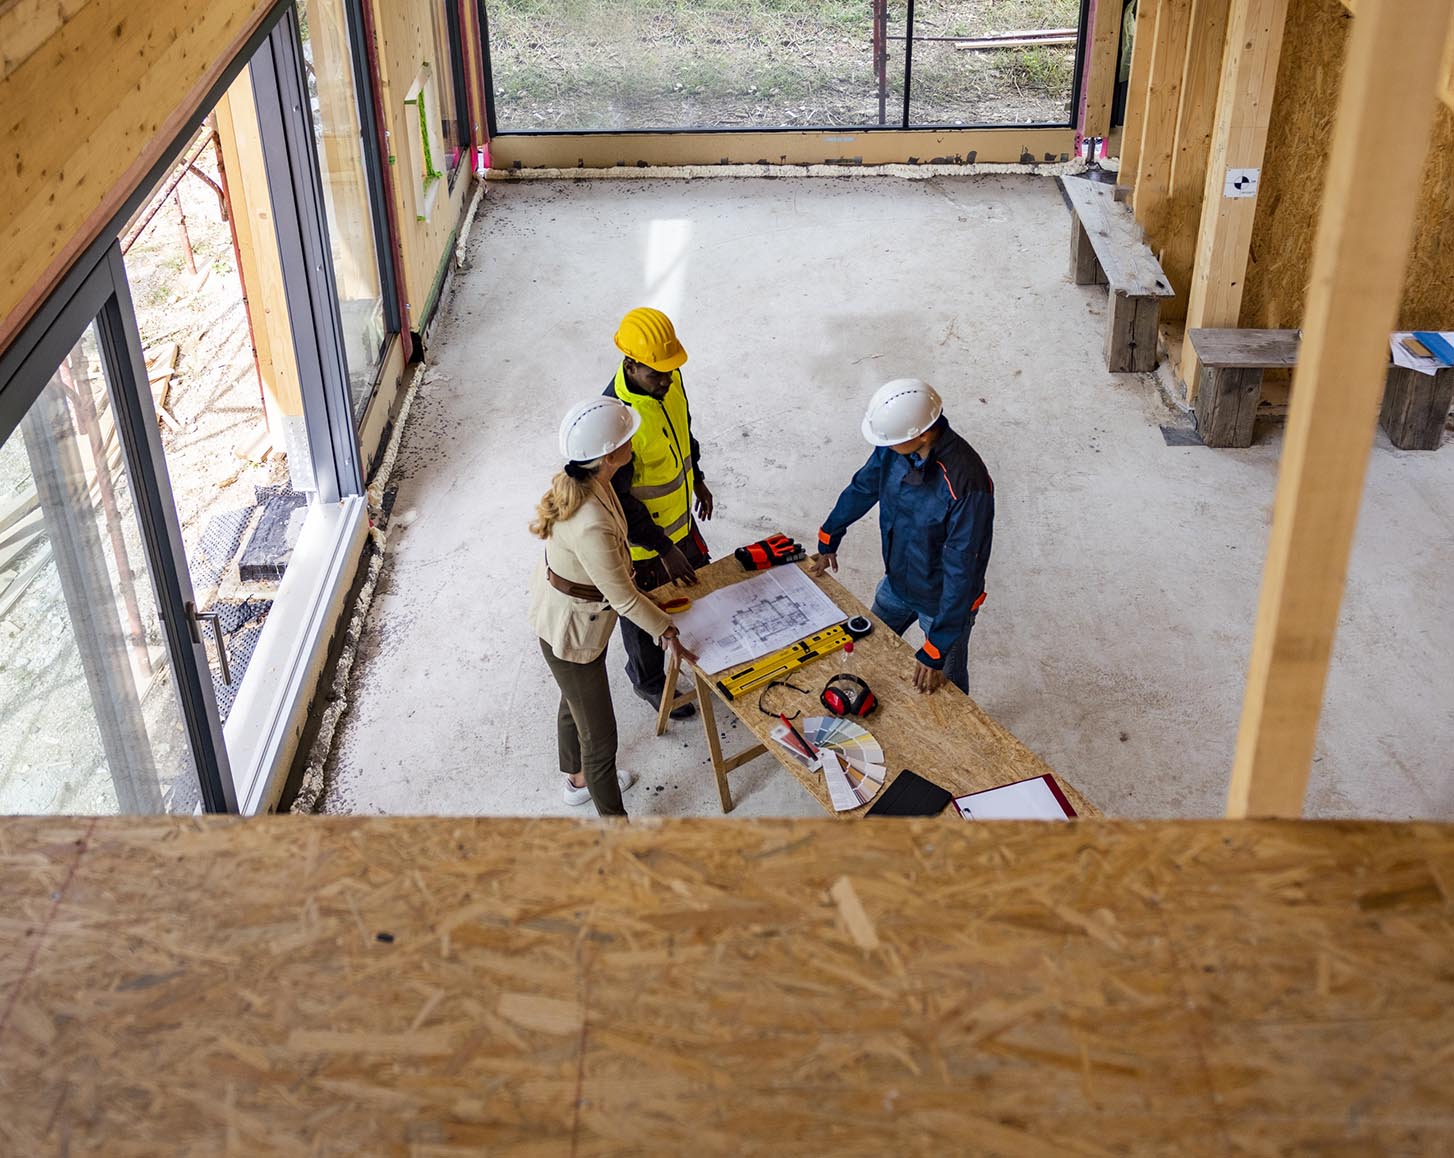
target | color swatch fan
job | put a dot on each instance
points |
(847, 786)
(851, 759)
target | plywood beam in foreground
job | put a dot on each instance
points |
(1239, 136)
(1360, 256)
(1446, 75)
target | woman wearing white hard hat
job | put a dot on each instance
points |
(580, 586)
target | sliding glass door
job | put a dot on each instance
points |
(111, 674)
(103, 708)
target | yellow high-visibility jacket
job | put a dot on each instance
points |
(662, 469)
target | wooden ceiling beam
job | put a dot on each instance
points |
(1105, 45)
(1141, 46)
(1239, 137)
(1194, 123)
(1158, 130)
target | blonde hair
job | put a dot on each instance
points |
(569, 490)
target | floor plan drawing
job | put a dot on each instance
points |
(749, 619)
(769, 618)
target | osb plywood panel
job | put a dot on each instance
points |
(303, 986)
(1294, 172)
(91, 95)
(1429, 292)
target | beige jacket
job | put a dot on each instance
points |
(590, 547)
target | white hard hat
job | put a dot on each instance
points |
(901, 410)
(596, 427)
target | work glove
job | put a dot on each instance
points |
(770, 552)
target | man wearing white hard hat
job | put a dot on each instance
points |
(936, 519)
(579, 588)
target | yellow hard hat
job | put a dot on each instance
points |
(647, 335)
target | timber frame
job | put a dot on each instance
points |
(1202, 91)
(1188, 125)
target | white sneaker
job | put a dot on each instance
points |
(576, 796)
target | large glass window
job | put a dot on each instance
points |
(155, 477)
(224, 385)
(90, 716)
(994, 62)
(621, 65)
(348, 193)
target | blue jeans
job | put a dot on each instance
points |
(891, 607)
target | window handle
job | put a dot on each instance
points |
(196, 618)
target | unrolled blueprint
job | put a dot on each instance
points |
(749, 619)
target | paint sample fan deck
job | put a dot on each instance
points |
(851, 759)
(847, 786)
(853, 742)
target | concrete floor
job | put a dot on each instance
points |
(1125, 574)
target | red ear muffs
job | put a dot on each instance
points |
(854, 698)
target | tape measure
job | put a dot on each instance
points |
(779, 663)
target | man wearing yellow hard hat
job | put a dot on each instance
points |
(662, 483)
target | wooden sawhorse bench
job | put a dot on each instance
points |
(1106, 249)
(1415, 406)
(946, 736)
(1232, 363)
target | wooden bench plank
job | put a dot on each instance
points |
(1129, 265)
(1245, 349)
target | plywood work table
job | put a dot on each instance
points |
(944, 736)
(432, 987)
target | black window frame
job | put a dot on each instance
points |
(98, 294)
(455, 37)
(290, 154)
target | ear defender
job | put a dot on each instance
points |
(847, 695)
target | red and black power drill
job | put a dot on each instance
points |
(770, 552)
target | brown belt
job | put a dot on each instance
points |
(583, 591)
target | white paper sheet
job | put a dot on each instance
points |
(1411, 361)
(749, 619)
(1027, 800)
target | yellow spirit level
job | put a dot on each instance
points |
(779, 663)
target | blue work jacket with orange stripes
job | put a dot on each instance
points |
(936, 518)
